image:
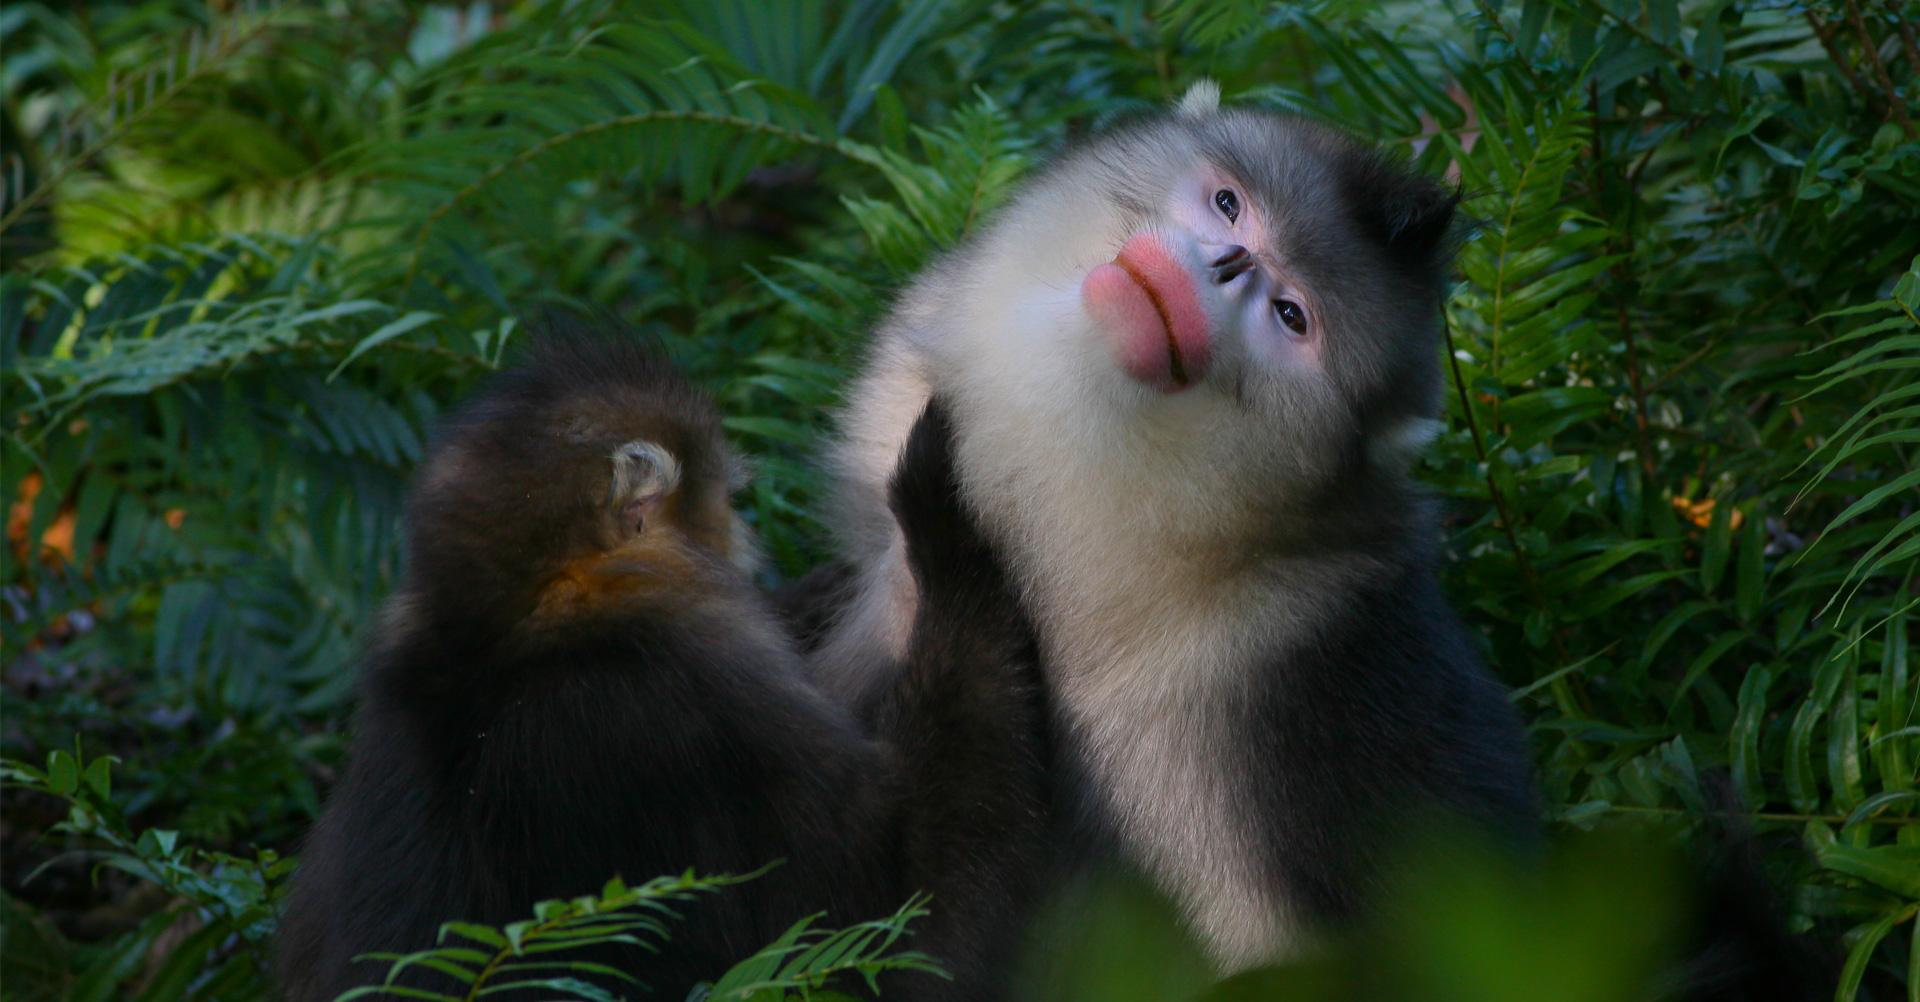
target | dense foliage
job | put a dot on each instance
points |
(251, 252)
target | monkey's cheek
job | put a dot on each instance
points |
(1137, 330)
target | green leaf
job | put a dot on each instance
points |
(63, 774)
(1891, 750)
(1714, 551)
(1885, 867)
(1743, 738)
(1670, 624)
(183, 964)
(1843, 740)
(774, 428)
(1541, 414)
(1802, 790)
(1721, 645)
(1866, 939)
(477, 933)
(1879, 802)
(379, 337)
(1750, 571)
(1548, 679)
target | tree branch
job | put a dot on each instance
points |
(1896, 108)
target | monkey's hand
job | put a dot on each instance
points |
(966, 716)
(951, 560)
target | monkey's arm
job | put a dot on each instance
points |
(810, 604)
(966, 717)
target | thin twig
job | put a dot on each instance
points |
(1561, 687)
(1480, 449)
(1824, 32)
(1688, 362)
(1905, 29)
(1623, 274)
(1678, 56)
(1896, 108)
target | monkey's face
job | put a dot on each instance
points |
(1249, 304)
(1205, 282)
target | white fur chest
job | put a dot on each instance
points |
(1153, 698)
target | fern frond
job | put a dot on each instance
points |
(129, 102)
(1529, 270)
(1885, 433)
(237, 896)
(1525, 308)
(484, 959)
(1211, 22)
(654, 100)
(99, 217)
(969, 168)
(805, 959)
(156, 321)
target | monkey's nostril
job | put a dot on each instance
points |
(1231, 264)
(1233, 253)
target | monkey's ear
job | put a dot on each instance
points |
(1201, 100)
(1411, 215)
(644, 473)
(1423, 219)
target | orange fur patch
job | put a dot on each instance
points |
(648, 570)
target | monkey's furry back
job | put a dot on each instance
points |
(494, 766)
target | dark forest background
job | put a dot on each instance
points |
(251, 251)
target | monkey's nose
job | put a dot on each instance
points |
(1231, 264)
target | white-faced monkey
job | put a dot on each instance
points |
(1189, 368)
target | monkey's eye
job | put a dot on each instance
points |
(1291, 314)
(1228, 203)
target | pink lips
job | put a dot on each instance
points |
(1148, 304)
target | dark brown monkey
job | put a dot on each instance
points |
(576, 680)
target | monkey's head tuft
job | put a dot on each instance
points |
(589, 473)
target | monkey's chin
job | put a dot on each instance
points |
(1148, 306)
